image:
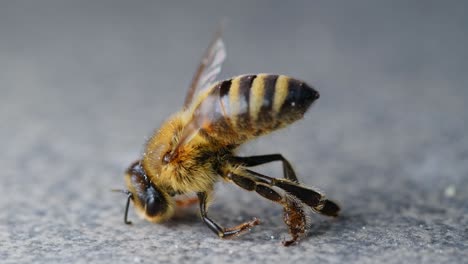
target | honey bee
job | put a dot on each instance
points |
(195, 148)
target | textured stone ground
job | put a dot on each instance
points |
(82, 85)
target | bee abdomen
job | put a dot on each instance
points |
(258, 104)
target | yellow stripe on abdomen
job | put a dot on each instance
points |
(281, 92)
(234, 102)
(257, 94)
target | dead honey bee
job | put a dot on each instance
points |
(195, 148)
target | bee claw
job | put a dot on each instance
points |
(288, 243)
(255, 221)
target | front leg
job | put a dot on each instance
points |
(221, 231)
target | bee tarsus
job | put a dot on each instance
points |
(217, 229)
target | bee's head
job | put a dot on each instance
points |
(150, 202)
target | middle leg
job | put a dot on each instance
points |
(221, 231)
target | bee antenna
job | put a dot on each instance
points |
(120, 191)
(129, 197)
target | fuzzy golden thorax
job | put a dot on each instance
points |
(190, 167)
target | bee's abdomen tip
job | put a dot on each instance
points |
(310, 93)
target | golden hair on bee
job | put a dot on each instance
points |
(195, 148)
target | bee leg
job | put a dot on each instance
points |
(328, 208)
(251, 161)
(312, 198)
(308, 196)
(221, 231)
(294, 215)
(295, 218)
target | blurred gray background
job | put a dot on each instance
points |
(84, 83)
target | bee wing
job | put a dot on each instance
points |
(209, 67)
(205, 114)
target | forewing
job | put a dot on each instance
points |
(207, 71)
(206, 115)
(209, 67)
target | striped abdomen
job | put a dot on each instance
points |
(251, 105)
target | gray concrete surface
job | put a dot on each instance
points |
(83, 83)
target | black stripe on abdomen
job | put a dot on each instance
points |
(243, 116)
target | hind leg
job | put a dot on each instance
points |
(288, 171)
(293, 198)
(311, 198)
(295, 218)
(294, 215)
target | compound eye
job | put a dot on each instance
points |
(150, 201)
(155, 203)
